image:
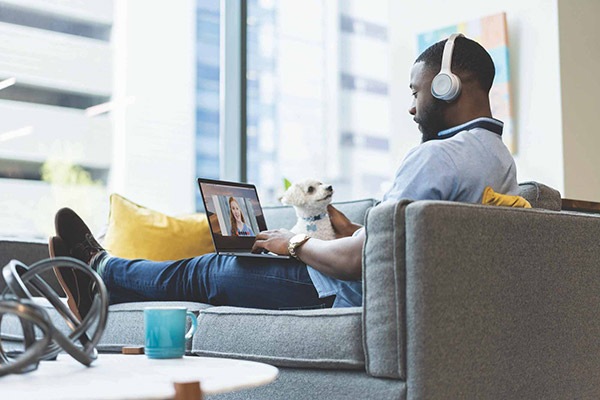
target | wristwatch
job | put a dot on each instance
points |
(295, 242)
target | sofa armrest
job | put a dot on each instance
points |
(384, 291)
(501, 303)
(472, 301)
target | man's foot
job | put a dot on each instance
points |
(75, 234)
(74, 240)
(77, 285)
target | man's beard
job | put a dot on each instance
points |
(431, 121)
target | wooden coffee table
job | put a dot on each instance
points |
(115, 376)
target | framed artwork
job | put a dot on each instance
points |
(491, 33)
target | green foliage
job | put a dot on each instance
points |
(286, 184)
(61, 172)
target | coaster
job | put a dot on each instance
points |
(132, 350)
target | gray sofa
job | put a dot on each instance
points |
(461, 301)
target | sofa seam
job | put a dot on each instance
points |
(263, 357)
(401, 323)
(230, 314)
(365, 295)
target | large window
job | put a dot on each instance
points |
(55, 147)
(128, 96)
(207, 89)
(318, 95)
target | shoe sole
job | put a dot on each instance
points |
(71, 303)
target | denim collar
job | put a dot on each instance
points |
(490, 124)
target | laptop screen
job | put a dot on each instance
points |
(234, 213)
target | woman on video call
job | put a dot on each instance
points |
(238, 224)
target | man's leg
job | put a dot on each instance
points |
(218, 280)
(213, 279)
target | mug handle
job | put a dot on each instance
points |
(194, 326)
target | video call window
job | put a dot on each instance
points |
(235, 215)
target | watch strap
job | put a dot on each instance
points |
(295, 242)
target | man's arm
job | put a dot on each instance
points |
(339, 258)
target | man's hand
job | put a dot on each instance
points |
(342, 226)
(275, 241)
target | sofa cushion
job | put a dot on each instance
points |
(135, 231)
(491, 198)
(327, 338)
(540, 195)
(11, 326)
(285, 216)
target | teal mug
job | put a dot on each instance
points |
(165, 331)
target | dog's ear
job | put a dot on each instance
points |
(292, 196)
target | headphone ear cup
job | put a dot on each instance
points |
(446, 86)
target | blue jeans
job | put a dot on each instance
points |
(214, 279)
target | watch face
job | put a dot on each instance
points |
(297, 238)
(297, 241)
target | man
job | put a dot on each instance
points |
(462, 153)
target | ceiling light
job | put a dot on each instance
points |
(26, 130)
(7, 82)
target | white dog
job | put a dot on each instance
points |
(310, 199)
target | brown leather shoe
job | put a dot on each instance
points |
(78, 287)
(77, 237)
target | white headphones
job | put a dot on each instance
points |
(445, 85)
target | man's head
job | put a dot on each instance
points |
(475, 68)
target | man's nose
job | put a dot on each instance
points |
(412, 110)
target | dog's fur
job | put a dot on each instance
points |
(310, 198)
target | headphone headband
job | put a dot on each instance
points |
(448, 50)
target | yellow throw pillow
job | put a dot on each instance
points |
(138, 232)
(496, 199)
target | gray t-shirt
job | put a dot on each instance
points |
(457, 168)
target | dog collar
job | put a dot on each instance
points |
(315, 218)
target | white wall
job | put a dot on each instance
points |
(155, 136)
(535, 75)
(579, 62)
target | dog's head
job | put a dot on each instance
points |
(309, 197)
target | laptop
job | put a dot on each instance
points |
(235, 217)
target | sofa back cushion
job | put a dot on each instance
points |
(540, 195)
(285, 216)
(28, 251)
